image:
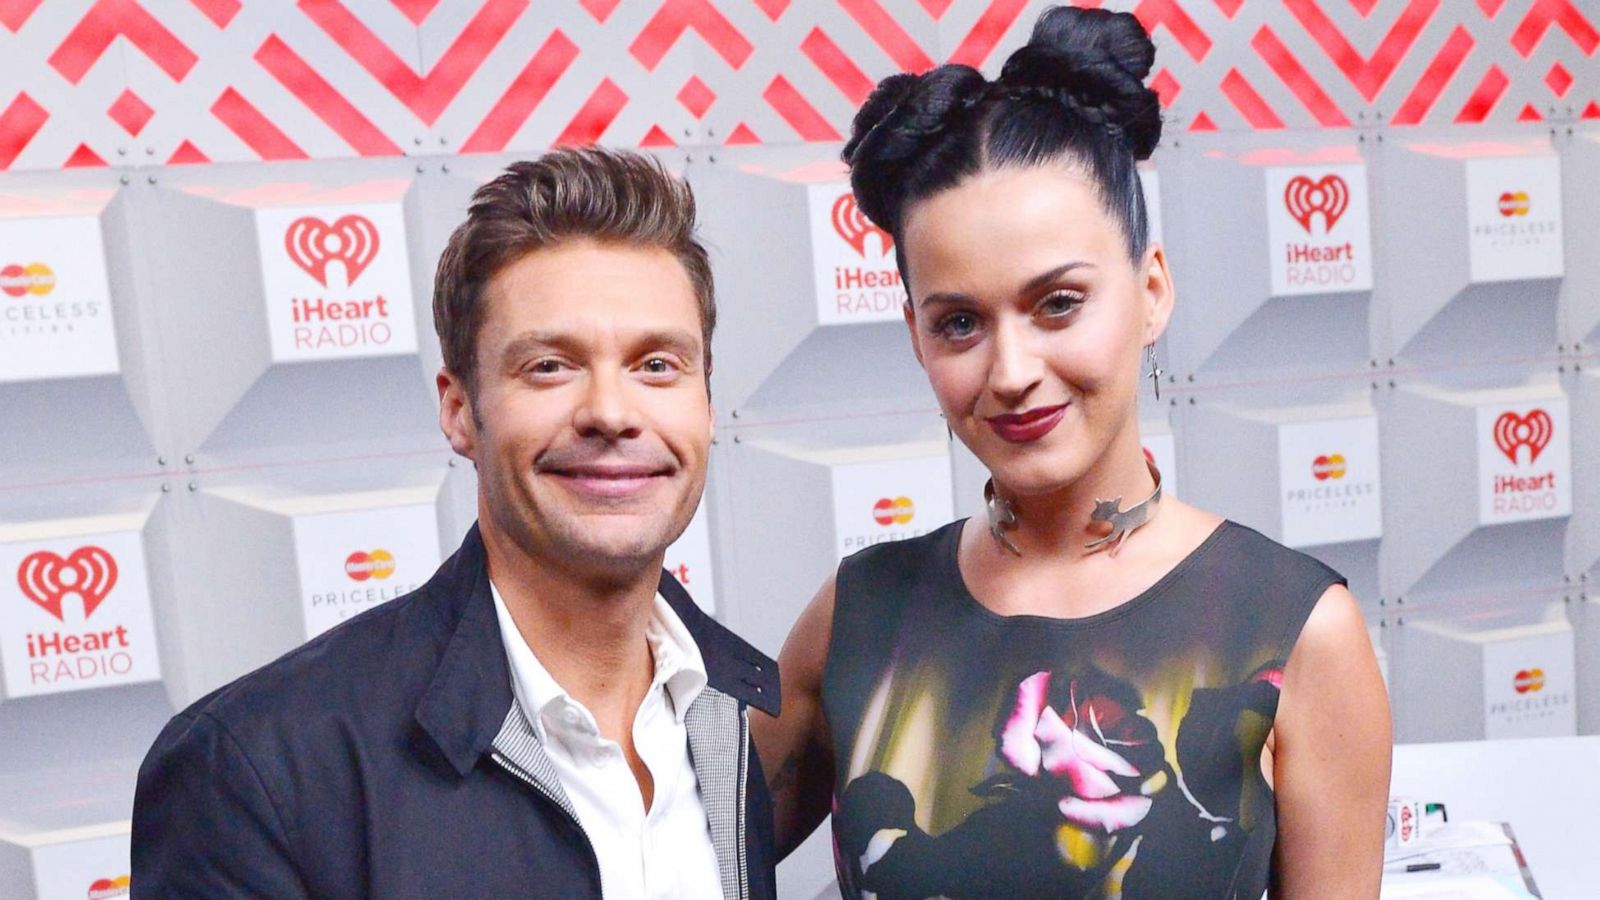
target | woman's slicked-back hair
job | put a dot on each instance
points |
(1074, 93)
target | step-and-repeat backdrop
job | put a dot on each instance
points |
(219, 221)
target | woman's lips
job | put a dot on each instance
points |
(1023, 427)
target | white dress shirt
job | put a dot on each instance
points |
(655, 855)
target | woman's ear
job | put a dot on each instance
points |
(910, 313)
(1157, 289)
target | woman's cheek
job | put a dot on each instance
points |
(957, 384)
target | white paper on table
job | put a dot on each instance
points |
(1476, 862)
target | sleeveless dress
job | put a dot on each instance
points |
(1111, 756)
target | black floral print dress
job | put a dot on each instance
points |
(1113, 756)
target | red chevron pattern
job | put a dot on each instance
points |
(340, 78)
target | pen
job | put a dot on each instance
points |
(1415, 867)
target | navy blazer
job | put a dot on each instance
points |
(388, 758)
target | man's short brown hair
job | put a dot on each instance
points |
(567, 194)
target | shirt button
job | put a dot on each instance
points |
(570, 716)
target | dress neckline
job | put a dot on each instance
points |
(949, 555)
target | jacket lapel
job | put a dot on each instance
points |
(466, 700)
(715, 734)
(519, 744)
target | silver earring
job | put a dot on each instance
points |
(1156, 371)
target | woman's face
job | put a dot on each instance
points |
(1031, 320)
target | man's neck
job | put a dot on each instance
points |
(588, 633)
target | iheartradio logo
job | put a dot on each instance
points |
(33, 278)
(1513, 432)
(48, 578)
(362, 565)
(1332, 466)
(1528, 681)
(853, 226)
(313, 243)
(110, 887)
(1304, 197)
(895, 511)
(1514, 203)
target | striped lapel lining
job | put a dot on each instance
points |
(718, 748)
(517, 745)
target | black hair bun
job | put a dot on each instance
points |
(900, 120)
(1095, 61)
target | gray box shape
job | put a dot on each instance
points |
(1425, 307)
(783, 363)
(242, 405)
(1583, 535)
(1231, 456)
(1226, 323)
(1584, 613)
(238, 603)
(108, 422)
(1580, 290)
(1434, 544)
(1437, 667)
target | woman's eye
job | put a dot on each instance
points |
(957, 325)
(1060, 304)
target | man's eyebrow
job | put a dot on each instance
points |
(683, 343)
(527, 343)
(675, 340)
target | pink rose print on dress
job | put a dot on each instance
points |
(1084, 747)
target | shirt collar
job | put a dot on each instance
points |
(679, 665)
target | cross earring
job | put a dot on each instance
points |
(1156, 371)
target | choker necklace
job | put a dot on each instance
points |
(1003, 516)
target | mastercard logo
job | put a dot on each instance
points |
(110, 887)
(362, 565)
(1326, 467)
(897, 511)
(33, 278)
(1528, 681)
(1514, 203)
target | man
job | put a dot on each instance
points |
(550, 715)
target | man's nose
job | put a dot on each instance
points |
(606, 409)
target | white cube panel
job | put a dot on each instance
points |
(77, 600)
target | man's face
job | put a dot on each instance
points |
(592, 421)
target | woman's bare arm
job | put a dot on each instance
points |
(1331, 749)
(796, 750)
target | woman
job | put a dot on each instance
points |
(1080, 697)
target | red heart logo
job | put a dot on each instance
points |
(1513, 432)
(312, 243)
(46, 578)
(1303, 197)
(854, 226)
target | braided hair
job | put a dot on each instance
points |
(1075, 92)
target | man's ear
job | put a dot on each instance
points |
(456, 418)
(1159, 295)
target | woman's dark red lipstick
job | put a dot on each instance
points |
(1023, 427)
